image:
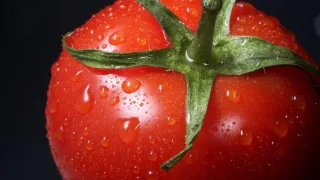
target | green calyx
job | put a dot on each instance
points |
(200, 57)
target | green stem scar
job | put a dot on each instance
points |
(200, 57)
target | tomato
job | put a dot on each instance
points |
(124, 123)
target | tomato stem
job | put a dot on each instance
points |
(200, 48)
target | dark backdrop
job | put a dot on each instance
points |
(31, 33)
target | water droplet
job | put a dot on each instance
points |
(122, 6)
(280, 128)
(89, 145)
(245, 137)
(55, 68)
(71, 161)
(136, 169)
(104, 142)
(60, 133)
(77, 155)
(103, 46)
(139, 150)
(84, 103)
(233, 95)
(104, 175)
(86, 131)
(84, 167)
(77, 76)
(171, 121)
(193, 12)
(117, 38)
(128, 129)
(79, 141)
(65, 122)
(52, 106)
(152, 175)
(299, 102)
(160, 88)
(102, 151)
(109, 26)
(72, 135)
(115, 101)
(100, 37)
(240, 31)
(131, 85)
(152, 156)
(151, 140)
(104, 92)
(214, 129)
(188, 158)
(142, 41)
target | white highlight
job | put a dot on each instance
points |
(188, 57)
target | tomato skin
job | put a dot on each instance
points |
(69, 131)
(252, 121)
(262, 125)
(271, 129)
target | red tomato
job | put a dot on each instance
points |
(124, 123)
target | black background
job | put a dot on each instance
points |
(31, 33)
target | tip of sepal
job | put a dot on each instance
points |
(63, 40)
(174, 160)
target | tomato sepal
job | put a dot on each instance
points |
(237, 55)
(179, 34)
(199, 85)
(100, 59)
